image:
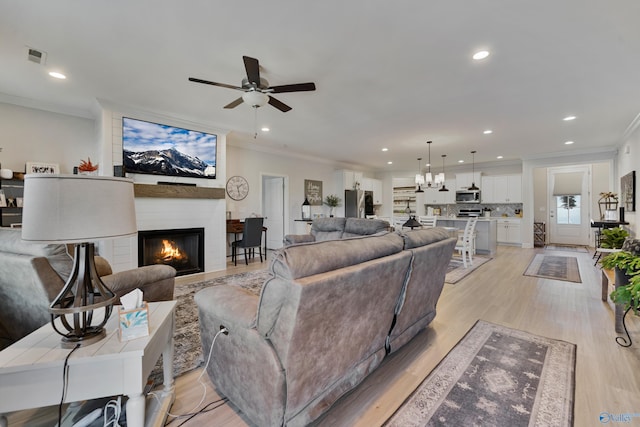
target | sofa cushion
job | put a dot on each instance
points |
(327, 228)
(11, 241)
(364, 227)
(308, 259)
(422, 237)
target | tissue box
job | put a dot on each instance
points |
(133, 323)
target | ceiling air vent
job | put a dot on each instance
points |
(36, 56)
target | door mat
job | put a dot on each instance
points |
(457, 272)
(566, 248)
(554, 267)
(496, 376)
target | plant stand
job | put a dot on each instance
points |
(622, 341)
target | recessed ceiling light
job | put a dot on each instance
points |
(568, 143)
(265, 129)
(569, 118)
(487, 132)
(389, 163)
(57, 75)
(460, 161)
(480, 54)
(499, 157)
(385, 149)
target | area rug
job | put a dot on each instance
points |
(457, 272)
(187, 354)
(496, 376)
(554, 267)
(566, 248)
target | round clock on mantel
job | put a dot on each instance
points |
(237, 187)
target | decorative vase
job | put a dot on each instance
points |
(332, 211)
(6, 173)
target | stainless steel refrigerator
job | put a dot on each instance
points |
(358, 203)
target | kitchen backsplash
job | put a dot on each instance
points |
(497, 209)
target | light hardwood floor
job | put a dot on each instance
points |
(607, 375)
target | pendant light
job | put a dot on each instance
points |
(473, 184)
(441, 175)
(419, 178)
(428, 178)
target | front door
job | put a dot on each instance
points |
(569, 213)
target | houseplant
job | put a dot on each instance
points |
(613, 238)
(332, 201)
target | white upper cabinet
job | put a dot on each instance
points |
(501, 189)
(465, 180)
(347, 179)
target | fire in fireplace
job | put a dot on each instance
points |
(182, 249)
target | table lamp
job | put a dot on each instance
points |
(79, 209)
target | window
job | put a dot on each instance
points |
(568, 209)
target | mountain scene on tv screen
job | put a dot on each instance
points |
(167, 162)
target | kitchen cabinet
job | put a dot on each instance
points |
(501, 189)
(375, 186)
(509, 231)
(434, 196)
(465, 180)
(346, 180)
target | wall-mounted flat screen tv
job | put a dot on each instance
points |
(156, 149)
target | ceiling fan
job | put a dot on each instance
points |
(257, 90)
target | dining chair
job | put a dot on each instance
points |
(251, 239)
(466, 244)
(428, 221)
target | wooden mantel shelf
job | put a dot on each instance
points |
(177, 191)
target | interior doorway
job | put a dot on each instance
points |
(274, 201)
(569, 205)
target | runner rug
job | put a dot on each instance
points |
(496, 376)
(457, 272)
(554, 267)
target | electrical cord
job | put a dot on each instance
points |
(65, 379)
(116, 406)
(191, 413)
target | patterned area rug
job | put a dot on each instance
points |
(186, 336)
(554, 267)
(457, 272)
(496, 376)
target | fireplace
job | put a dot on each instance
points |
(182, 249)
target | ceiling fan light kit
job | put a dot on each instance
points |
(257, 90)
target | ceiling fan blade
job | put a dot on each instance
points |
(279, 105)
(253, 70)
(234, 104)
(298, 87)
(207, 82)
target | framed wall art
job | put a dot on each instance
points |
(628, 191)
(313, 192)
(38, 167)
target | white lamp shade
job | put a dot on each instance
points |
(428, 178)
(419, 179)
(440, 178)
(77, 208)
(255, 99)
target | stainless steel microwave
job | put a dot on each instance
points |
(468, 196)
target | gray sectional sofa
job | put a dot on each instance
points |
(33, 274)
(338, 228)
(325, 319)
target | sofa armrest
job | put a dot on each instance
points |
(294, 239)
(231, 304)
(155, 281)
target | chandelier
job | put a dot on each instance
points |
(430, 181)
(440, 176)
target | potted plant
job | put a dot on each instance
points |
(332, 201)
(613, 238)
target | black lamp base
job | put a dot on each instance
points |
(90, 337)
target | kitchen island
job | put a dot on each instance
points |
(486, 232)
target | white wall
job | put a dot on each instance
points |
(253, 163)
(42, 136)
(629, 160)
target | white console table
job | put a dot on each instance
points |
(31, 369)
